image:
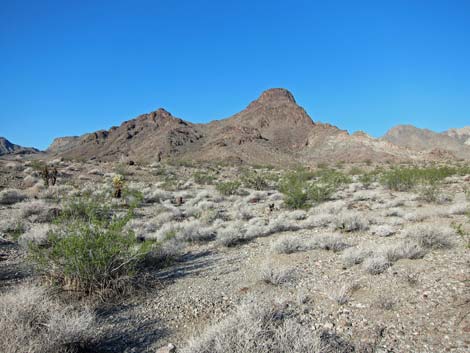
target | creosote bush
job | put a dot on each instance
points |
(300, 193)
(89, 250)
(228, 188)
(255, 180)
(366, 179)
(406, 179)
(202, 178)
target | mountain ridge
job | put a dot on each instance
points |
(272, 129)
(7, 148)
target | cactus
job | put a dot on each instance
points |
(118, 184)
(45, 175)
(53, 176)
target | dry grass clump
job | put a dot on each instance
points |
(37, 234)
(30, 321)
(232, 235)
(384, 230)
(271, 275)
(11, 196)
(318, 221)
(261, 327)
(348, 221)
(431, 236)
(163, 254)
(376, 264)
(331, 242)
(195, 231)
(354, 256)
(423, 214)
(459, 209)
(13, 224)
(342, 294)
(394, 212)
(289, 244)
(406, 249)
(38, 211)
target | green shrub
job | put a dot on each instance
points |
(405, 179)
(366, 179)
(255, 180)
(84, 210)
(356, 171)
(90, 250)
(300, 193)
(320, 192)
(203, 178)
(294, 186)
(228, 188)
(399, 180)
(38, 166)
(333, 177)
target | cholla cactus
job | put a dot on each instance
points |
(118, 183)
(45, 175)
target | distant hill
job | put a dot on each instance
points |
(462, 134)
(272, 129)
(6, 147)
(453, 141)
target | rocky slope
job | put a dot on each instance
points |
(413, 138)
(272, 129)
(6, 147)
(462, 134)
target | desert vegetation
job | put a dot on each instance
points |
(221, 258)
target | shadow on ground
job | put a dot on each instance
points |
(190, 264)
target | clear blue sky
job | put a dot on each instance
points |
(70, 67)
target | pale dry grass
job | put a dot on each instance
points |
(30, 321)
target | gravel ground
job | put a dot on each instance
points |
(420, 305)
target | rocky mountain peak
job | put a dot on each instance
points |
(274, 96)
(6, 147)
(162, 113)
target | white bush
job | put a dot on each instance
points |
(459, 209)
(405, 249)
(32, 322)
(349, 221)
(329, 241)
(354, 256)
(318, 221)
(431, 236)
(37, 234)
(376, 264)
(289, 244)
(271, 275)
(261, 327)
(232, 235)
(383, 230)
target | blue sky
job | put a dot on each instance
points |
(70, 67)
